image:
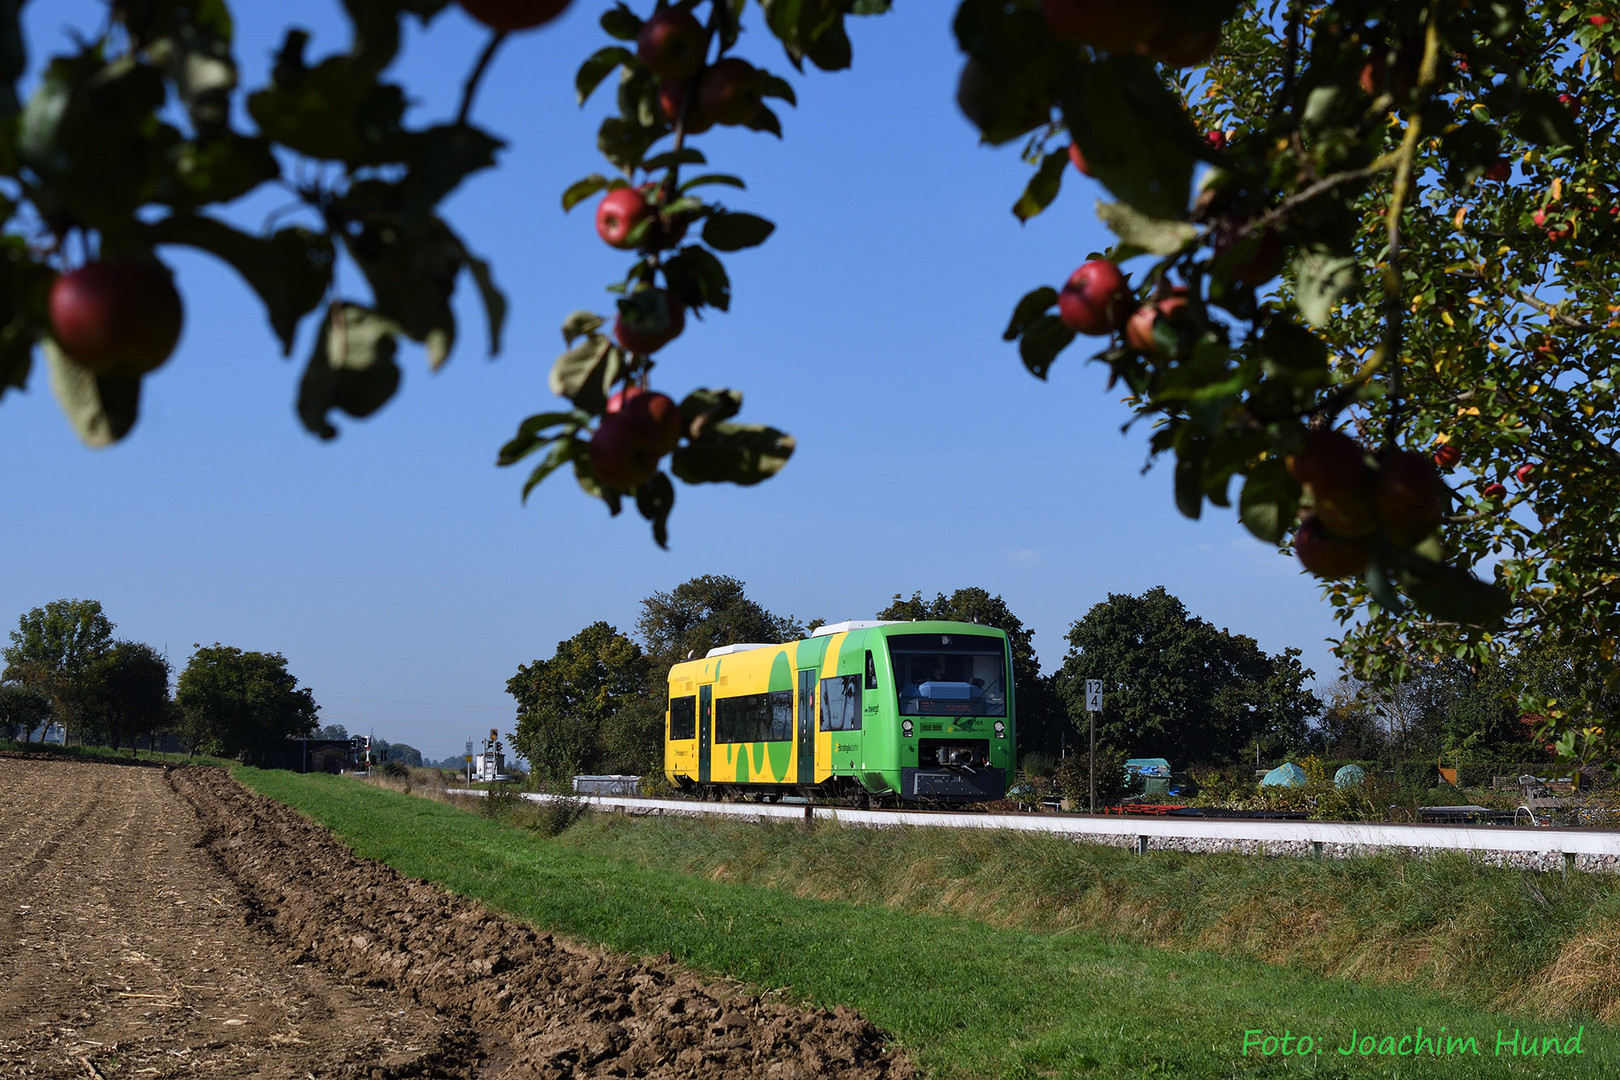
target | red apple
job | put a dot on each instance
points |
(663, 413)
(514, 14)
(1139, 328)
(1570, 102)
(618, 214)
(1410, 496)
(1105, 24)
(119, 316)
(1096, 299)
(1539, 217)
(1079, 160)
(731, 91)
(1500, 169)
(650, 329)
(672, 95)
(1328, 556)
(1493, 491)
(1216, 139)
(1447, 455)
(1598, 20)
(1523, 473)
(666, 230)
(672, 43)
(1333, 468)
(625, 450)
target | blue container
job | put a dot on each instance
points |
(1285, 775)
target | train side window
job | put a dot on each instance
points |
(781, 728)
(871, 671)
(841, 703)
(683, 717)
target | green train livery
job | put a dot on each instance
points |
(857, 712)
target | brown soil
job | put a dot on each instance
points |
(171, 923)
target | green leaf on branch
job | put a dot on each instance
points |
(101, 408)
(1136, 137)
(698, 279)
(1044, 337)
(726, 231)
(218, 170)
(1042, 187)
(336, 111)
(192, 43)
(778, 87)
(1035, 302)
(493, 299)
(686, 155)
(624, 143)
(585, 374)
(1189, 481)
(580, 323)
(713, 178)
(765, 119)
(438, 160)
(1449, 593)
(1270, 500)
(570, 448)
(13, 57)
(1325, 278)
(621, 23)
(655, 498)
(291, 270)
(598, 66)
(701, 408)
(530, 434)
(733, 453)
(352, 368)
(1545, 120)
(1382, 590)
(580, 190)
(411, 268)
(1156, 236)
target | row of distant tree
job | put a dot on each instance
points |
(64, 666)
(1175, 685)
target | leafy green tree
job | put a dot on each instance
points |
(23, 710)
(126, 694)
(1041, 715)
(53, 649)
(241, 704)
(565, 702)
(403, 753)
(332, 731)
(705, 613)
(1174, 686)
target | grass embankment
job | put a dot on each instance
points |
(1543, 943)
(965, 996)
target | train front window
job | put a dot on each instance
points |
(949, 674)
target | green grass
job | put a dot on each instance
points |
(1476, 932)
(965, 998)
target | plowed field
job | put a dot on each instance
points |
(167, 922)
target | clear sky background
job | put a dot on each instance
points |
(397, 569)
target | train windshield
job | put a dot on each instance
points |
(949, 674)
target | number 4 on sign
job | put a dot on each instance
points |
(1093, 695)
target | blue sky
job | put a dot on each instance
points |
(397, 569)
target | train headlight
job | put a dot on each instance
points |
(905, 728)
(1001, 729)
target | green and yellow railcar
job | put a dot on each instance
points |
(920, 711)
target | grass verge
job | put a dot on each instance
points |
(966, 998)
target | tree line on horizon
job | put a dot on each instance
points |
(64, 667)
(1176, 686)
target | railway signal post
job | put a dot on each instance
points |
(1093, 707)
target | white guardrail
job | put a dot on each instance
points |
(1527, 846)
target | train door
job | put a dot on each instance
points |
(807, 726)
(705, 710)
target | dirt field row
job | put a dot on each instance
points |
(171, 923)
